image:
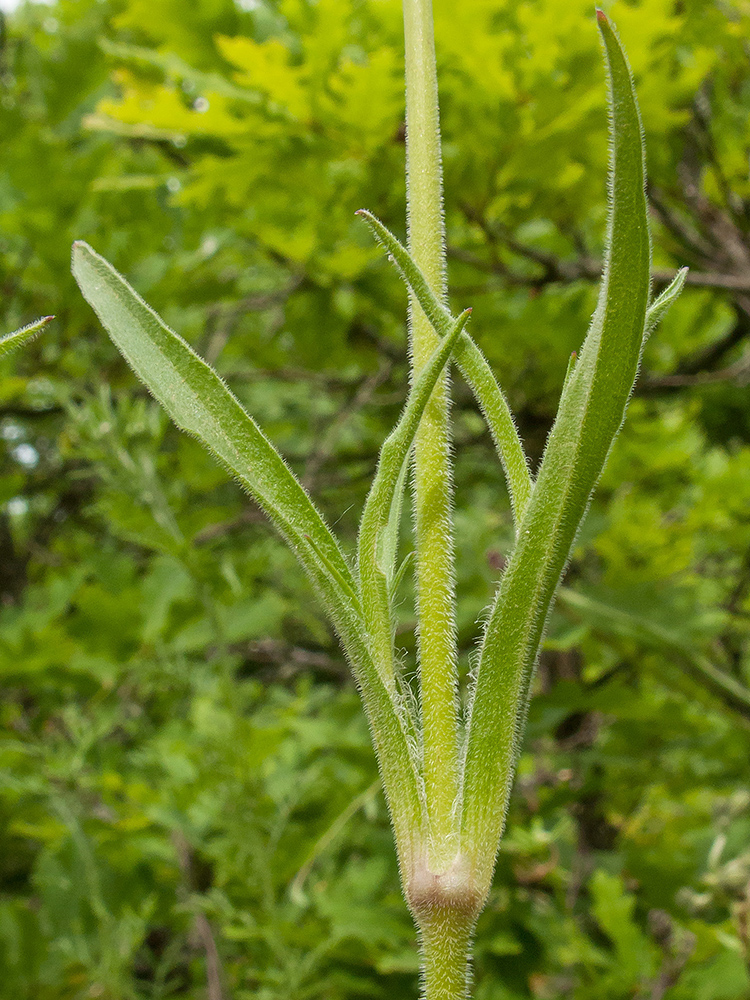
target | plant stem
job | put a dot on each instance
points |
(446, 945)
(432, 472)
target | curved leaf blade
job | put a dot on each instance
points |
(12, 341)
(661, 305)
(200, 403)
(591, 412)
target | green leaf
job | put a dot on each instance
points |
(177, 69)
(661, 305)
(398, 576)
(614, 909)
(389, 535)
(374, 574)
(473, 366)
(590, 414)
(12, 341)
(200, 403)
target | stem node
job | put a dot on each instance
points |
(434, 895)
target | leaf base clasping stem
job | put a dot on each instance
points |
(445, 908)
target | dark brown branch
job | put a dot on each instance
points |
(708, 279)
(201, 924)
(677, 948)
(251, 515)
(29, 413)
(327, 380)
(739, 373)
(558, 271)
(360, 399)
(699, 249)
(289, 660)
(222, 316)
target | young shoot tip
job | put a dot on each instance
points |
(601, 16)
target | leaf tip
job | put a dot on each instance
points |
(25, 335)
(601, 17)
(76, 251)
(81, 248)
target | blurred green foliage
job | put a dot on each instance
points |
(188, 798)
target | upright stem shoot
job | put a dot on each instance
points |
(432, 474)
(447, 845)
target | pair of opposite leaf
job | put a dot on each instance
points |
(547, 511)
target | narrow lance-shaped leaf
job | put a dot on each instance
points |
(12, 341)
(201, 404)
(473, 366)
(398, 576)
(661, 305)
(591, 412)
(374, 573)
(390, 534)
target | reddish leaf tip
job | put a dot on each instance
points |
(601, 16)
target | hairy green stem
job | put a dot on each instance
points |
(446, 952)
(432, 474)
